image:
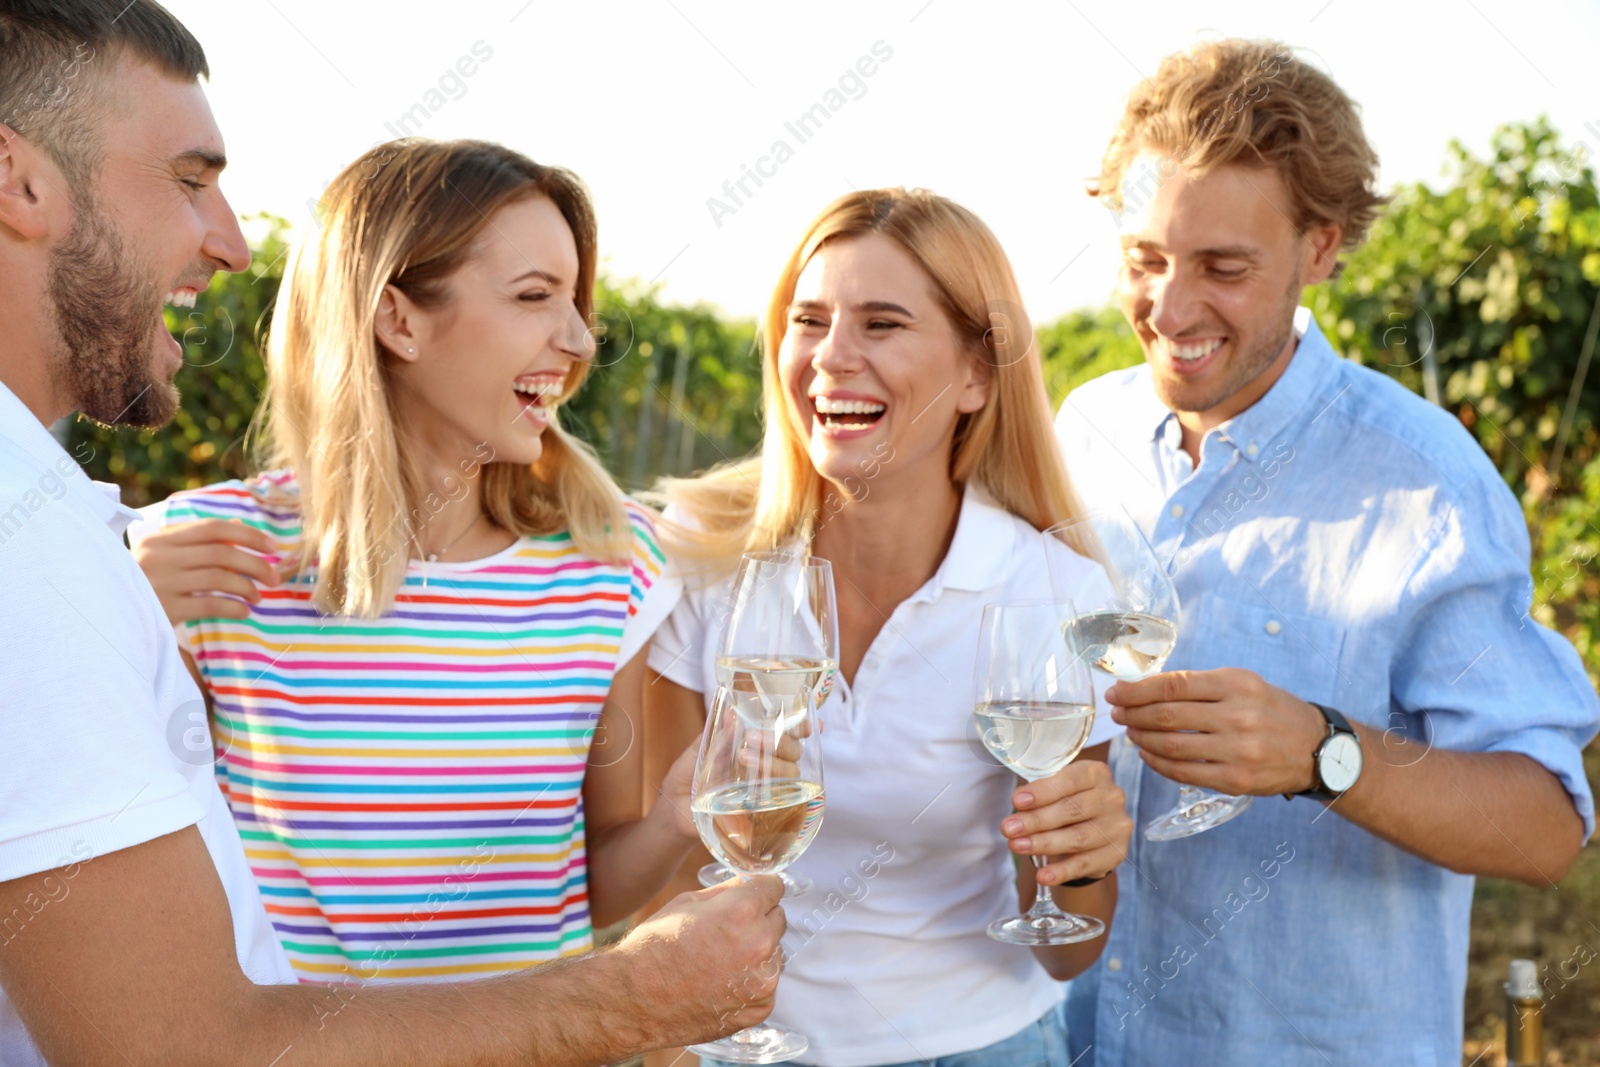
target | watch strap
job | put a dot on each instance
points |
(1335, 719)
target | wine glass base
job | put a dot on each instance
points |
(756, 1044)
(1212, 810)
(1049, 930)
(794, 883)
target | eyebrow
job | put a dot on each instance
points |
(1218, 252)
(537, 273)
(203, 156)
(865, 305)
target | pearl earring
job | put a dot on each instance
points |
(410, 351)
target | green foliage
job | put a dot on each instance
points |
(1082, 345)
(1495, 278)
(674, 389)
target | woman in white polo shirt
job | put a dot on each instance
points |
(909, 441)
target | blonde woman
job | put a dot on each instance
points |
(909, 442)
(404, 720)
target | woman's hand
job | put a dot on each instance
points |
(677, 787)
(1078, 815)
(189, 563)
(677, 791)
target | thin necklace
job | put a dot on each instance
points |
(433, 557)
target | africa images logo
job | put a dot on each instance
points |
(802, 128)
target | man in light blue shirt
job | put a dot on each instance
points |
(1340, 546)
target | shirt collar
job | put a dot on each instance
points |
(102, 500)
(980, 548)
(1309, 368)
(1265, 420)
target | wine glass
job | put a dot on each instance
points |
(1131, 637)
(757, 802)
(781, 642)
(1035, 710)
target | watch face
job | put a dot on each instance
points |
(1340, 762)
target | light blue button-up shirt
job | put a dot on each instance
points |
(1352, 544)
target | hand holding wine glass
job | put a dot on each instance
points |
(758, 802)
(1035, 712)
(1131, 637)
(1079, 816)
(721, 942)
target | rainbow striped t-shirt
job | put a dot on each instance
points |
(409, 788)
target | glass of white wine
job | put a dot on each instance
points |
(780, 643)
(1035, 711)
(758, 802)
(1131, 637)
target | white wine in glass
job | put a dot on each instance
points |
(781, 637)
(781, 686)
(781, 682)
(780, 642)
(1131, 638)
(1034, 713)
(1126, 644)
(759, 827)
(1034, 738)
(757, 802)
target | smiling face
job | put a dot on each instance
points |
(871, 363)
(152, 229)
(1211, 275)
(490, 361)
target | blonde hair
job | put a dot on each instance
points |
(406, 214)
(1008, 447)
(1253, 102)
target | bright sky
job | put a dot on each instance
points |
(1003, 106)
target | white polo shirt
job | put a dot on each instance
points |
(103, 741)
(888, 956)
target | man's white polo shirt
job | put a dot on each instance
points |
(889, 960)
(103, 741)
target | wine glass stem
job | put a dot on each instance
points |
(1189, 796)
(1043, 903)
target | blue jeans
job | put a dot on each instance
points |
(1039, 1044)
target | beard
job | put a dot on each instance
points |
(1246, 366)
(106, 314)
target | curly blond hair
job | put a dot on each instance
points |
(1252, 102)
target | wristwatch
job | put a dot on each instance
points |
(1336, 764)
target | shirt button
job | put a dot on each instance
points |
(1176, 511)
(1251, 449)
(1273, 626)
(1114, 963)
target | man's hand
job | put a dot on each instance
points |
(1078, 815)
(129, 957)
(706, 965)
(1226, 730)
(189, 563)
